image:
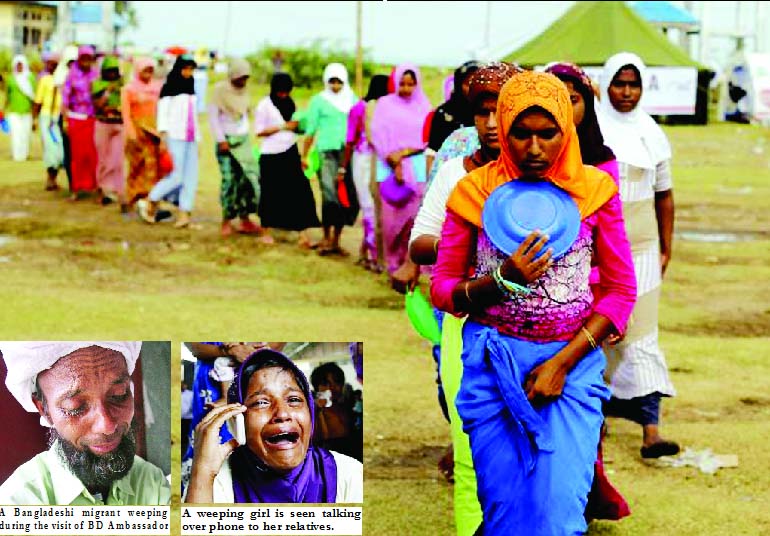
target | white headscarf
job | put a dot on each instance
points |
(23, 77)
(62, 70)
(633, 136)
(25, 360)
(344, 99)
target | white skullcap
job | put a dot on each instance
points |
(25, 360)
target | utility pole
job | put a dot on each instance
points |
(487, 41)
(359, 50)
(228, 17)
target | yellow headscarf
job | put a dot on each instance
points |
(589, 187)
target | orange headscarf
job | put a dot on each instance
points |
(589, 187)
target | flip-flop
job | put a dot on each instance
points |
(661, 448)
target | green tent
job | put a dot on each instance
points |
(590, 32)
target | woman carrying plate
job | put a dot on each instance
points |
(532, 388)
(397, 140)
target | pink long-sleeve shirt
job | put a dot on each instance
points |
(541, 316)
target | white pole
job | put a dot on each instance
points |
(227, 29)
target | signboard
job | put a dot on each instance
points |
(86, 12)
(667, 90)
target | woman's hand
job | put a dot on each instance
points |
(398, 172)
(406, 277)
(240, 351)
(523, 267)
(545, 382)
(209, 453)
(394, 159)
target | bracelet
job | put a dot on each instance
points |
(498, 279)
(508, 288)
(590, 337)
(466, 292)
(341, 170)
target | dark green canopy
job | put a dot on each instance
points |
(590, 32)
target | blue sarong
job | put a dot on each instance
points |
(534, 466)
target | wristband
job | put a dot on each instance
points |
(340, 170)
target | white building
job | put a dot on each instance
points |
(95, 23)
(25, 25)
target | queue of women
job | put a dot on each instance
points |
(542, 336)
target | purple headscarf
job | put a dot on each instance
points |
(398, 122)
(76, 93)
(449, 85)
(313, 481)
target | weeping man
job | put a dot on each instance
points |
(84, 394)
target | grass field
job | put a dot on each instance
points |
(81, 271)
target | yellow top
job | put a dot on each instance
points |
(45, 95)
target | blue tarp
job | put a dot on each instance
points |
(664, 12)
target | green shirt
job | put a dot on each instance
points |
(46, 480)
(18, 102)
(328, 124)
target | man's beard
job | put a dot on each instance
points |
(94, 471)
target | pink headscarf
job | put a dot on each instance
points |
(136, 86)
(86, 50)
(398, 121)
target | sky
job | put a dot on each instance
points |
(427, 33)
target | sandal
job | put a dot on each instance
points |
(661, 448)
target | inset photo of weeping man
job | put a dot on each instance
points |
(85, 423)
(273, 422)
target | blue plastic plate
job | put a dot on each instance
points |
(516, 208)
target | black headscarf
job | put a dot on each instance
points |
(592, 147)
(176, 84)
(454, 113)
(280, 83)
(378, 87)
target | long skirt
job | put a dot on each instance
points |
(362, 170)
(534, 465)
(108, 138)
(287, 200)
(333, 213)
(239, 193)
(397, 220)
(84, 156)
(21, 129)
(142, 156)
(52, 141)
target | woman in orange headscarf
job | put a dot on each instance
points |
(532, 386)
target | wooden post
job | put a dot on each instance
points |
(359, 50)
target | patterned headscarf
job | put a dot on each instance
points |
(588, 187)
(490, 78)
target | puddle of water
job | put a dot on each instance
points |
(14, 215)
(701, 236)
(5, 240)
